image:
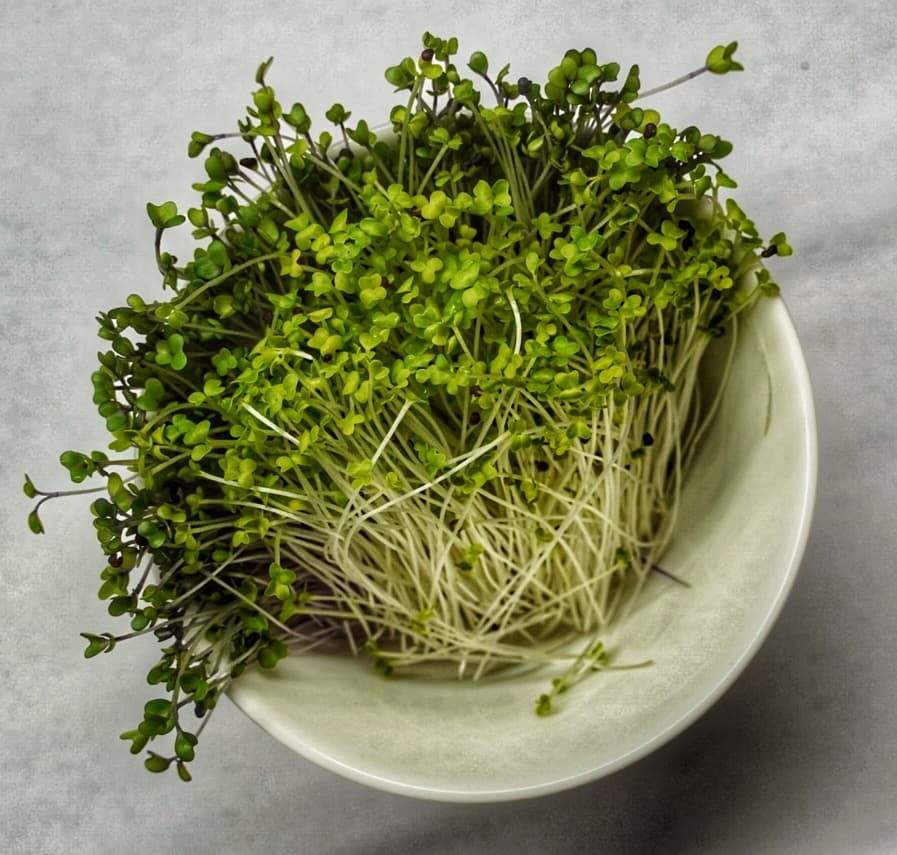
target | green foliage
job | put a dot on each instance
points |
(720, 61)
(164, 216)
(28, 488)
(34, 522)
(457, 306)
(478, 62)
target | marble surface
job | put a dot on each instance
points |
(98, 99)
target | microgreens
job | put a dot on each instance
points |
(425, 392)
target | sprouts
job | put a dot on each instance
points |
(428, 395)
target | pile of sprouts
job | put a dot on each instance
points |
(425, 394)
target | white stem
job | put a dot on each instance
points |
(268, 423)
(392, 429)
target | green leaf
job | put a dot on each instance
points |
(155, 763)
(474, 295)
(171, 352)
(373, 227)
(151, 399)
(682, 151)
(154, 535)
(720, 61)
(139, 622)
(464, 92)
(360, 472)
(361, 134)
(152, 727)
(200, 451)
(466, 276)
(267, 228)
(371, 296)
(721, 149)
(119, 493)
(102, 508)
(28, 488)
(223, 304)
(781, 242)
(34, 522)
(119, 605)
(110, 588)
(478, 63)
(266, 658)
(96, 644)
(217, 252)
(212, 387)
(723, 180)
(162, 216)
(79, 465)
(138, 740)
(298, 118)
(399, 77)
(263, 70)
(206, 268)
(337, 114)
(157, 708)
(183, 746)
(198, 143)
(197, 433)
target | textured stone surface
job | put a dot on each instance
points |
(98, 100)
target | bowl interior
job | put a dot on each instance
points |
(741, 531)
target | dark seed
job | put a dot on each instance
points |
(383, 282)
(475, 418)
(542, 465)
(475, 391)
(650, 130)
(770, 251)
(427, 55)
(524, 86)
(116, 560)
(647, 440)
(249, 163)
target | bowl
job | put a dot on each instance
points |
(743, 525)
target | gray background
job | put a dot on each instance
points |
(97, 102)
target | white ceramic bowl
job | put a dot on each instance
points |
(743, 525)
